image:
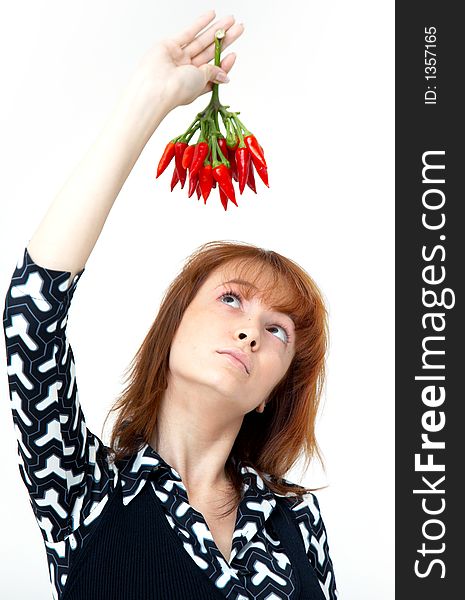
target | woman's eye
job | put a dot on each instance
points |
(226, 298)
(280, 330)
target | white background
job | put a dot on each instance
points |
(315, 82)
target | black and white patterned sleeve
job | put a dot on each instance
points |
(63, 465)
(315, 538)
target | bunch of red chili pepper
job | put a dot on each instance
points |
(215, 160)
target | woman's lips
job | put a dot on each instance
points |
(236, 362)
(239, 355)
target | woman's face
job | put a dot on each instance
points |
(220, 319)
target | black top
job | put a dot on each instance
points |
(133, 554)
(71, 480)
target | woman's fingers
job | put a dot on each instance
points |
(187, 35)
(228, 61)
(207, 37)
(226, 64)
(208, 53)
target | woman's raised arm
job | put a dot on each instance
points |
(174, 72)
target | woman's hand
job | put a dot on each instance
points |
(177, 67)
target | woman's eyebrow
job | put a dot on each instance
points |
(239, 282)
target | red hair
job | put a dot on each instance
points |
(273, 441)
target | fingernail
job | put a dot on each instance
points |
(222, 77)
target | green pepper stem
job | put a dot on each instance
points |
(214, 146)
(237, 127)
(219, 35)
(217, 125)
(188, 136)
(195, 122)
(246, 131)
(217, 150)
(210, 122)
(226, 122)
(202, 131)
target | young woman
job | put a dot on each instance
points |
(221, 402)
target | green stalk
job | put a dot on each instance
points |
(238, 128)
(229, 134)
(190, 134)
(246, 131)
(214, 146)
(219, 35)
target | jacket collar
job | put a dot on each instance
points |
(135, 470)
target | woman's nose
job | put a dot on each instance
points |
(250, 334)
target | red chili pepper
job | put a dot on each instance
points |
(243, 163)
(223, 147)
(229, 155)
(233, 146)
(230, 177)
(261, 170)
(206, 181)
(224, 199)
(179, 148)
(197, 189)
(187, 157)
(222, 176)
(232, 162)
(166, 158)
(200, 154)
(174, 179)
(193, 181)
(255, 149)
(251, 179)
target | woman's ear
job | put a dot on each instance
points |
(261, 407)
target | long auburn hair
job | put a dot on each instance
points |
(273, 441)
